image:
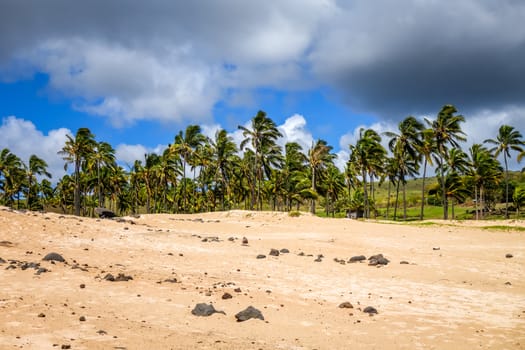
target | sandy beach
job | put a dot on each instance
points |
(448, 285)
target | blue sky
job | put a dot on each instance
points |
(137, 74)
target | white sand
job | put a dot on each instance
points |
(452, 298)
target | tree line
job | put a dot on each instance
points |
(197, 173)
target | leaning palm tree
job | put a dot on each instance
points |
(319, 157)
(446, 131)
(262, 136)
(508, 139)
(77, 150)
(36, 166)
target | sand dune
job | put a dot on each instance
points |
(458, 290)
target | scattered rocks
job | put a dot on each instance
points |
(227, 296)
(284, 251)
(261, 256)
(508, 255)
(237, 290)
(65, 346)
(210, 239)
(340, 261)
(203, 309)
(41, 270)
(82, 286)
(319, 258)
(41, 314)
(248, 313)
(436, 248)
(120, 278)
(82, 319)
(508, 283)
(404, 262)
(244, 241)
(346, 305)
(2, 261)
(357, 258)
(231, 239)
(274, 252)
(370, 310)
(54, 257)
(377, 259)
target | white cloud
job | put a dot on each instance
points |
(23, 139)
(127, 154)
(294, 130)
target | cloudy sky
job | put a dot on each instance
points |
(136, 72)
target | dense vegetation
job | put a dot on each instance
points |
(196, 173)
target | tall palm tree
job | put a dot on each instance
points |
(426, 149)
(508, 139)
(319, 157)
(77, 150)
(294, 164)
(11, 175)
(36, 166)
(262, 136)
(223, 155)
(446, 130)
(103, 155)
(405, 148)
(457, 164)
(484, 171)
(367, 154)
(184, 146)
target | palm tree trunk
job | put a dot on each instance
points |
(476, 201)
(388, 199)
(397, 199)
(404, 201)
(76, 193)
(312, 202)
(365, 195)
(423, 190)
(443, 190)
(506, 186)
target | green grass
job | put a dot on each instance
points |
(503, 228)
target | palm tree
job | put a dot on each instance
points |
(185, 145)
(508, 139)
(103, 156)
(223, 158)
(484, 171)
(77, 150)
(446, 130)
(367, 155)
(334, 183)
(457, 164)
(294, 164)
(10, 169)
(36, 166)
(262, 136)
(319, 157)
(426, 149)
(405, 148)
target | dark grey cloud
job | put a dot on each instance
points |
(411, 57)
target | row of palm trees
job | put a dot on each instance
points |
(197, 173)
